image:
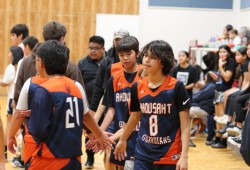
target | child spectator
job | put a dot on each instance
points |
(234, 38)
(224, 77)
(185, 73)
(203, 107)
(15, 54)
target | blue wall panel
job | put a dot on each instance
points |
(245, 4)
(214, 4)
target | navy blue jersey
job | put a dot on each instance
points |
(159, 137)
(56, 118)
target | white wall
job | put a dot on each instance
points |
(107, 24)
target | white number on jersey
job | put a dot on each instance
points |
(153, 125)
(71, 111)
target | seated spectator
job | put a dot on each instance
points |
(226, 30)
(244, 34)
(236, 100)
(234, 38)
(202, 106)
(224, 77)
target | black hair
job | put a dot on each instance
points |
(20, 29)
(163, 51)
(54, 31)
(34, 52)
(186, 53)
(229, 27)
(242, 50)
(31, 41)
(54, 55)
(17, 54)
(227, 48)
(128, 43)
(210, 60)
(97, 39)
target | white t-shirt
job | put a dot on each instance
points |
(237, 40)
(8, 78)
(22, 103)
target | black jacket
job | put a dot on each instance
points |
(204, 98)
(89, 69)
(98, 87)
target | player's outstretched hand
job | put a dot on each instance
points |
(91, 142)
(182, 164)
(120, 150)
(11, 144)
(104, 141)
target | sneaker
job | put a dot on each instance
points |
(235, 131)
(209, 142)
(221, 119)
(237, 139)
(191, 144)
(218, 146)
(16, 161)
(89, 163)
(223, 130)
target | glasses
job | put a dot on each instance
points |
(94, 48)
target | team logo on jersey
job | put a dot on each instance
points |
(185, 102)
(142, 91)
(176, 156)
(119, 84)
(122, 97)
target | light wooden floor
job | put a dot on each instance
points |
(200, 158)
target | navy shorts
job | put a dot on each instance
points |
(9, 108)
(141, 165)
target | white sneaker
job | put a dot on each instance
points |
(235, 131)
(221, 119)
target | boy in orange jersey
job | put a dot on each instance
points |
(55, 121)
(162, 105)
(117, 93)
(23, 105)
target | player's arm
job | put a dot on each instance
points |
(91, 124)
(108, 101)
(18, 120)
(120, 150)
(108, 118)
(183, 104)
(185, 135)
(122, 144)
(100, 111)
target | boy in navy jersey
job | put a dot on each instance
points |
(118, 91)
(58, 111)
(162, 105)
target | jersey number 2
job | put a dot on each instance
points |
(71, 111)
